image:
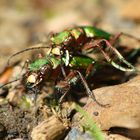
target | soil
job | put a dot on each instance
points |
(16, 123)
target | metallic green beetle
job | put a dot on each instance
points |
(85, 39)
(69, 49)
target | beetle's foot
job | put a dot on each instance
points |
(103, 105)
(92, 96)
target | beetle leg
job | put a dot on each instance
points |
(72, 79)
(89, 92)
(36, 91)
(63, 96)
(26, 65)
(61, 64)
(97, 44)
(116, 52)
(89, 69)
(63, 86)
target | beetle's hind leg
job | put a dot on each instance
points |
(118, 55)
(99, 45)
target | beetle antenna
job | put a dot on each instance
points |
(117, 36)
(36, 47)
(9, 83)
(130, 36)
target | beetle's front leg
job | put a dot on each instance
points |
(89, 92)
(65, 85)
(25, 65)
(90, 70)
(72, 79)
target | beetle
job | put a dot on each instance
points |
(86, 39)
(69, 49)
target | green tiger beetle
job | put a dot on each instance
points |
(48, 68)
(86, 39)
(68, 50)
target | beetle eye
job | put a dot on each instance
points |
(31, 79)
